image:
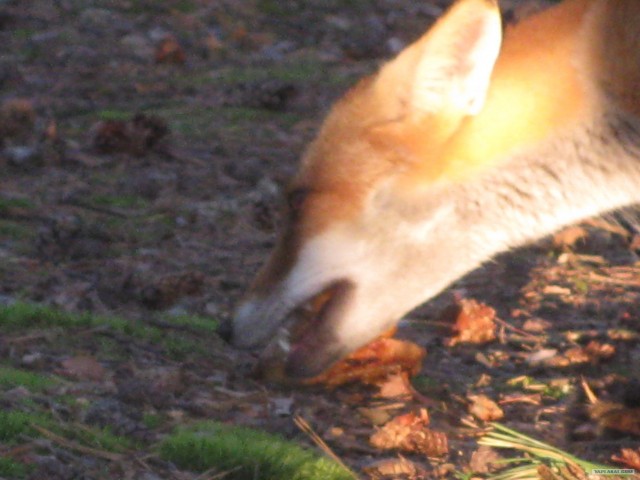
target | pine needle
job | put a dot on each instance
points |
(303, 425)
(539, 453)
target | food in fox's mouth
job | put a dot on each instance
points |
(373, 362)
(367, 365)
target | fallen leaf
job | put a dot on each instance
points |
(376, 415)
(536, 325)
(409, 433)
(628, 457)
(483, 459)
(17, 118)
(83, 367)
(599, 351)
(373, 363)
(593, 353)
(615, 416)
(473, 322)
(395, 385)
(166, 290)
(137, 136)
(395, 468)
(169, 50)
(483, 408)
(556, 290)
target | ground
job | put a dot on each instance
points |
(144, 146)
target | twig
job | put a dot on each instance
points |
(114, 457)
(517, 330)
(614, 281)
(588, 392)
(16, 451)
(303, 425)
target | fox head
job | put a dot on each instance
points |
(371, 211)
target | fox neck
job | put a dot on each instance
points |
(586, 171)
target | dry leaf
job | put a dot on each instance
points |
(168, 289)
(483, 458)
(169, 50)
(395, 468)
(396, 385)
(599, 351)
(556, 290)
(17, 118)
(138, 135)
(628, 457)
(536, 325)
(373, 363)
(474, 322)
(83, 367)
(615, 416)
(485, 409)
(376, 415)
(409, 433)
(592, 353)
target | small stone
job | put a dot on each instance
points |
(138, 46)
(22, 156)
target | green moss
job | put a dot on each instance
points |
(25, 315)
(111, 114)
(8, 203)
(22, 33)
(118, 201)
(100, 438)
(152, 420)
(180, 348)
(13, 377)
(12, 469)
(197, 340)
(195, 322)
(246, 454)
(14, 230)
(556, 392)
(14, 423)
(185, 6)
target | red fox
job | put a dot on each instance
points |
(461, 147)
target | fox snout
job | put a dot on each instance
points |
(459, 148)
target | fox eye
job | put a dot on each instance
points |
(296, 198)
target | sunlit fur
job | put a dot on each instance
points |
(443, 159)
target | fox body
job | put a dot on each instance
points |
(464, 145)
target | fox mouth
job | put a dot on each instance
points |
(307, 344)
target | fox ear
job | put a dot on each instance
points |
(450, 66)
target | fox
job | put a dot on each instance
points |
(475, 139)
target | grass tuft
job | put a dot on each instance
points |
(537, 457)
(13, 423)
(20, 315)
(246, 454)
(13, 377)
(12, 469)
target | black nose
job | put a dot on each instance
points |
(225, 330)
